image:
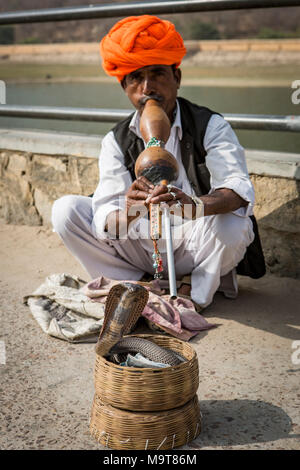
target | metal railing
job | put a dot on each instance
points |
(237, 121)
(141, 8)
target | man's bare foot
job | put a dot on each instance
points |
(185, 289)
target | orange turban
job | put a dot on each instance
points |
(138, 41)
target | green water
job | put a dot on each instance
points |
(265, 100)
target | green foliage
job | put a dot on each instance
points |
(7, 35)
(199, 30)
(32, 40)
(297, 33)
(270, 33)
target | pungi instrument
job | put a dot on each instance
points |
(160, 167)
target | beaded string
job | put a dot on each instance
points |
(155, 223)
(155, 231)
(157, 261)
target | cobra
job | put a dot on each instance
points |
(124, 305)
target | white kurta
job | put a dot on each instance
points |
(207, 248)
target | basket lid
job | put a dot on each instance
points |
(124, 304)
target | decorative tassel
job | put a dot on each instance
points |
(157, 265)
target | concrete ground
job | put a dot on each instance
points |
(249, 372)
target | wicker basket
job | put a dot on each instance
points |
(119, 429)
(147, 389)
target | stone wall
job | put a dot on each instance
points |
(37, 167)
(230, 51)
(31, 180)
(243, 51)
(277, 210)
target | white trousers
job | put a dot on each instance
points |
(211, 249)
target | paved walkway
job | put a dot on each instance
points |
(249, 383)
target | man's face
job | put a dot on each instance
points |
(159, 81)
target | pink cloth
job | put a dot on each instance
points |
(177, 317)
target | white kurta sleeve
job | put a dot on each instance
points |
(226, 162)
(114, 181)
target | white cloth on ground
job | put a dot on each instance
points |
(70, 309)
(63, 311)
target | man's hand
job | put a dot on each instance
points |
(183, 204)
(136, 197)
(117, 222)
(220, 201)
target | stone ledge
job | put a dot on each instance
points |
(260, 162)
(50, 142)
(280, 164)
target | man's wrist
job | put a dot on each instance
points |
(199, 207)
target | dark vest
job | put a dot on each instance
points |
(194, 120)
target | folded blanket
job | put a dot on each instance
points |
(71, 309)
(178, 317)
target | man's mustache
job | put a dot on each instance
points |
(144, 100)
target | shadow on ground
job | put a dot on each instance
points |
(268, 304)
(240, 422)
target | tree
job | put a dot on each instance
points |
(7, 35)
(198, 30)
